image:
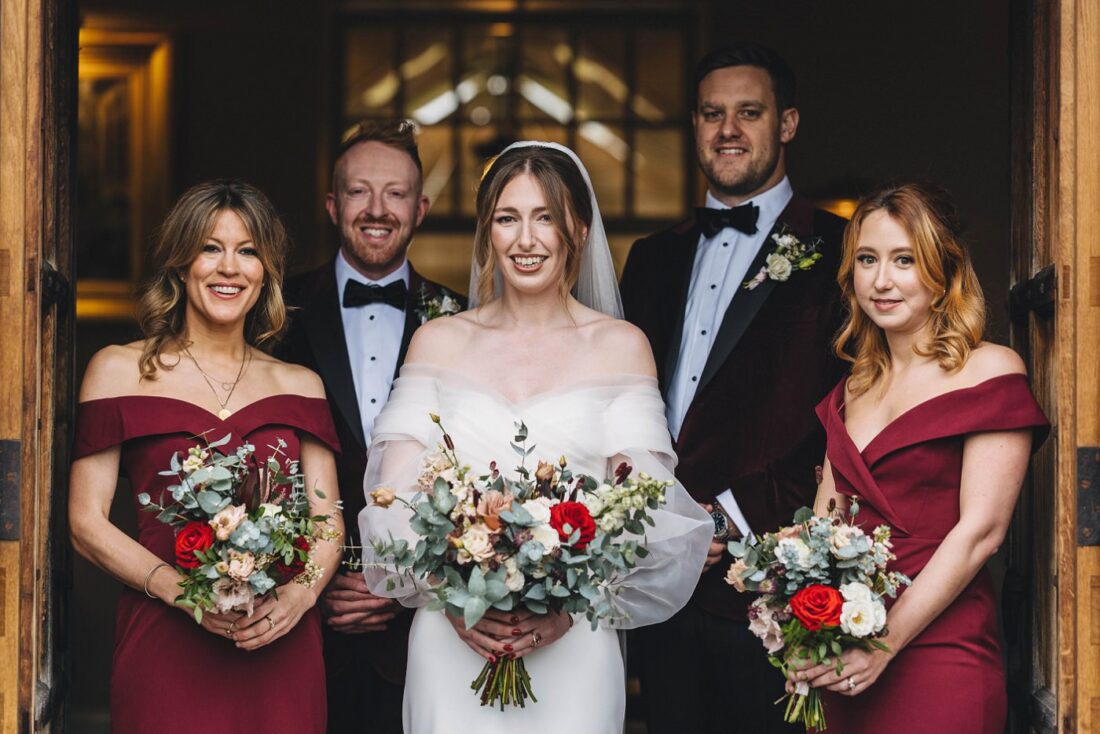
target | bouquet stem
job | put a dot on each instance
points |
(806, 708)
(505, 682)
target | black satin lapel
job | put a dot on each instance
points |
(742, 310)
(325, 331)
(680, 267)
(413, 304)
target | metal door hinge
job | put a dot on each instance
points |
(56, 290)
(11, 460)
(1088, 495)
(1034, 295)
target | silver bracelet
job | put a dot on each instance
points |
(149, 576)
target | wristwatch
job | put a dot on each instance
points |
(724, 528)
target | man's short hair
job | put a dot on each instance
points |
(749, 54)
(398, 134)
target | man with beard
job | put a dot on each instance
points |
(355, 317)
(741, 330)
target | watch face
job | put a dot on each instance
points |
(721, 528)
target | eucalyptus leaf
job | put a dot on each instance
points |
(475, 609)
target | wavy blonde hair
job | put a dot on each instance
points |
(942, 262)
(162, 302)
(567, 198)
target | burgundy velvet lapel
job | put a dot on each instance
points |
(680, 262)
(324, 327)
(798, 216)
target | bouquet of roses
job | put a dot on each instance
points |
(241, 529)
(547, 541)
(823, 581)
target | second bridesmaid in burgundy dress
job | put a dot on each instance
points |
(214, 299)
(932, 432)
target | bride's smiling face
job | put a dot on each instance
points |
(526, 241)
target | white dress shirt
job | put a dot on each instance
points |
(720, 268)
(373, 336)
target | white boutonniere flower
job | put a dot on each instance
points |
(432, 308)
(790, 254)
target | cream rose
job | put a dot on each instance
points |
(477, 542)
(793, 551)
(856, 591)
(241, 565)
(513, 577)
(733, 574)
(226, 521)
(779, 267)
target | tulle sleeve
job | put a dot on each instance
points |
(663, 582)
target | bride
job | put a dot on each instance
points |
(546, 346)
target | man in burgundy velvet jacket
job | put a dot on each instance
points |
(352, 323)
(742, 337)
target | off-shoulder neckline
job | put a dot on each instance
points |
(213, 416)
(594, 381)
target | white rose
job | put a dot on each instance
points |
(862, 618)
(449, 305)
(843, 536)
(513, 578)
(856, 591)
(538, 509)
(593, 503)
(477, 542)
(546, 535)
(793, 551)
(779, 267)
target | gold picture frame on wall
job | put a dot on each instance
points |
(123, 164)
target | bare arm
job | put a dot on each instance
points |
(826, 491)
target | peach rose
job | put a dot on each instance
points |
(490, 506)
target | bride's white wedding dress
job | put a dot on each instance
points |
(579, 679)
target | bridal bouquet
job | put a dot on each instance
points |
(823, 581)
(241, 529)
(545, 540)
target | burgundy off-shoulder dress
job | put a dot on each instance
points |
(170, 675)
(949, 679)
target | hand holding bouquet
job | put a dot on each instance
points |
(544, 540)
(823, 581)
(241, 529)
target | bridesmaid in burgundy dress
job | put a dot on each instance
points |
(215, 300)
(932, 432)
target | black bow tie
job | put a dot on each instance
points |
(363, 294)
(742, 218)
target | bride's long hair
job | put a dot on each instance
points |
(567, 198)
(162, 302)
(928, 215)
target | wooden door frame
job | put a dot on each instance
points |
(37, 94)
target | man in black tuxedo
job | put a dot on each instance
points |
(355, 317)
(742, 336)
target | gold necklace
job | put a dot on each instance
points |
(230, 386)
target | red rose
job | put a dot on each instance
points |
(195, 536)
(577, 517)
(817, 606)
(297, 564)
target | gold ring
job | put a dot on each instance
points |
(851, 683)
(229, 631)
(536, 638)
(270, 624)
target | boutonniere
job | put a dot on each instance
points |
(790, 254)
(436, 306)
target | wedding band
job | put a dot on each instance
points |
(536, 638)
(851, 683)
(271, 626)
(229, 631)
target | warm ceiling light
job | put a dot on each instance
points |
(501, 30)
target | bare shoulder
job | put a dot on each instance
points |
(621, 347)
(989, 360)
(436, 340)
(112, 372)
(288, 378)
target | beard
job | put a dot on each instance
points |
(741, 183)
(374, 257)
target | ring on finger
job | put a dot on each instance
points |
(271, 624)
(851, 683)
(536, 638)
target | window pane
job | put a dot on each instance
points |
(476, 151)
(600, 67)
(486, 76)
(370, 81)
(604, 150)
(549, 132)
(659, 173)
(430, 96)
(541, 84)
(660, 76)
(439, 167)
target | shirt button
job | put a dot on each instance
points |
(703, 332)
(373, 401)
(713, 286)
(372, 317)
(725, 244)
(694, 378)
(373, 358)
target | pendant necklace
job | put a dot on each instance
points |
(230, 386)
